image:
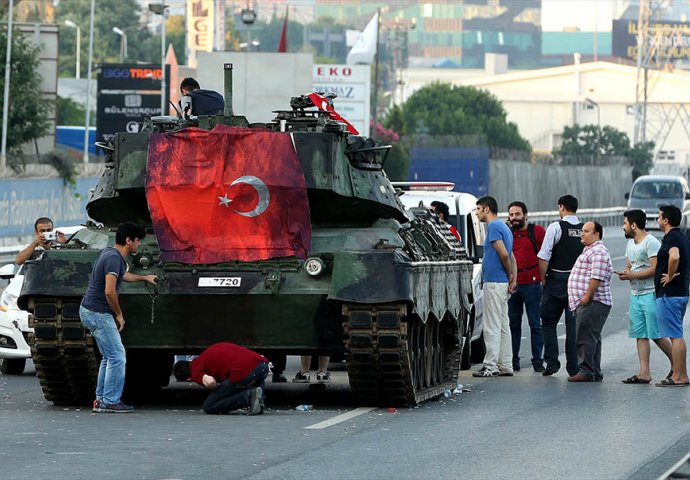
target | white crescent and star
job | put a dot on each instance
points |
(261, 190)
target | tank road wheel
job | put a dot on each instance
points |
(12, 366)
(394, 358)
(62, 351)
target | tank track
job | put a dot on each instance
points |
(395, 359)
(62, 351)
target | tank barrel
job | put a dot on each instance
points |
(227, 70)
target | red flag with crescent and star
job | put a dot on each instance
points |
(227, 194)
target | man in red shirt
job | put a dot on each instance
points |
(527, 240)
(441, 209)
(235, 375)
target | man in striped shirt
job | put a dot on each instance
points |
(589, 297)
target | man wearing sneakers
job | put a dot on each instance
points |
(640, 253)
(235, 375)
(100, 312)
(499, 276)
(322, 376)
(557, 256)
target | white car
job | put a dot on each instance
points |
(14, 325)
(472, 232)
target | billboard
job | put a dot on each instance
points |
(126, 95)
(670, 37)
(352, 85)
(200, 28)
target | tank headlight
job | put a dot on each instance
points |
(144, 262)
(314, 266)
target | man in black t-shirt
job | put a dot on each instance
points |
(672, 282)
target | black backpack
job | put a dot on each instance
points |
(532, 237)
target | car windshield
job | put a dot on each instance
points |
(657, 189)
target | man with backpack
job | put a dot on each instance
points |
(527, 240)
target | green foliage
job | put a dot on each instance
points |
(175, 34)
(641, 158)
(29, 112)
(444, 109)
(588, 144)
(398, 159)
(70, 112)
(124, 14)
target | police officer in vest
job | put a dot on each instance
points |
(557, 256)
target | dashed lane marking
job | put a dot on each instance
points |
(340, 418)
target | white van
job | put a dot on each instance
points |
(649, 192)
(472, 233)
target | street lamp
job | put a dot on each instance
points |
(159, 9)
(71, 24)
(248, 17)
(123, 43)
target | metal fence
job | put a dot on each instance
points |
(608, 217)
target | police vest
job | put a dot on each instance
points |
(568, 248)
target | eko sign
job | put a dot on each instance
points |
(352, 85)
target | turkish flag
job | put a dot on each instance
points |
(322, 104)
(227, 194)
(282, 45)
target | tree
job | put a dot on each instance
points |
(592, 145)
(444, 109)
(124, 14)
(29, 111)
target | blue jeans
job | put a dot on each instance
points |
(111, 372)
(528, 295)
(229, 396)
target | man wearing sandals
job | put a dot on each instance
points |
(640, 253)
(671, 279)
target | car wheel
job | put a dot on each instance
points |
(14, 366)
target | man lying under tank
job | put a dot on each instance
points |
(235, 375)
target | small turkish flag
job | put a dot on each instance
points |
(322, 104)
(227, 194)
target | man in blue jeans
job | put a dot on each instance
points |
(527, 240)
(235, 375)
(672, 282)
(100, 312)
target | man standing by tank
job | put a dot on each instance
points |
(42, 226)
(441, 209)
(640, 253)
(498, 276)
(527, 240)
(557, 256)
(589, 298)
(100, 312)
(672, 281)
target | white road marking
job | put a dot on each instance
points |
(622, 257)
(341, 418)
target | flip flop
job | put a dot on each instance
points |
(636, 379)
(668, 382)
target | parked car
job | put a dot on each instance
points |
(472, 232)
(648, 192)
(14, 323)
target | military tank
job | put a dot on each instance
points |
(387, 289)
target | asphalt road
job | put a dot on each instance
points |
(527, 426)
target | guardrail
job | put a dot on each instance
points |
(608, 217)
(8, 254)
